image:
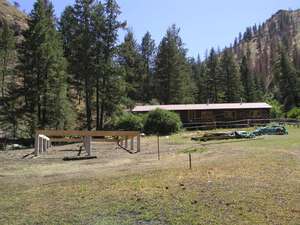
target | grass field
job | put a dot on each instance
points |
(231, 182)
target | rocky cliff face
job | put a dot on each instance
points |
(13, 16)
(283, 28)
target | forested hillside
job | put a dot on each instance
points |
(74, 72)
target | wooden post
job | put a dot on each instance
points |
(138, 143)
(126, 142)
(131, 143)
(158, 150)
(36, 144)
(190, 161)
(88, 145)
(40, 144)
(44, 144)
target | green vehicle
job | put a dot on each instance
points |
(271, 130)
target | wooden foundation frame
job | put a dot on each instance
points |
(44, 138)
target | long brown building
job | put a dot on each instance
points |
(198, 113)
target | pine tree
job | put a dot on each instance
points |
(84, 53)
(199, 71)
(147, 50)
(131, 61)
(213, 78)
(7, 55)
(44, 72)
(287, 78)
(172, 71)
(231, 77)
(247, 78)
(9, 111)
(112, 85)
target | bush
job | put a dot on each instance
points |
(277, 109)
(162, 122)
(129, 122)
(294, 113)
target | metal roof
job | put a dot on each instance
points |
(256, 105)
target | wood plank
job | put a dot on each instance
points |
(58, 133)
(67, 140)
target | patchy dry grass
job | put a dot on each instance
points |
(252, 182)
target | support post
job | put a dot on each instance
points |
(190, 161)
(44, 144)
(88, 145)
(158, 150)
(131, 143)
(36, 144)
(40, 144)
(126, 142)
(138, 143)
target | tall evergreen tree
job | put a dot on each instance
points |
(172, 71)
(287, 79)
(112, 85)
(7, 55)
(199, 71)
(44, 71)
(213, 78)
(247, 78)
(84, 53)
(131, 60)
(147, 50)
(9, 110)
(231, 77)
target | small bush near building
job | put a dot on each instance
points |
(162, 122)
(277, 109)
(294, 113)
(129, 122)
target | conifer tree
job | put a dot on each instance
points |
(112, 85)
(287, 79)
(84, 53)
(147, 50)
(231, 77)
(247, 78)
(213, 78)
(44, 72)
(9, 110)
(172, 71)
(131, 61)
(199, 72)
(7, 55)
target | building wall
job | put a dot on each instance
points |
(194, 116)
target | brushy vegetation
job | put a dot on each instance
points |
(162, 122)
(294, 113)
(277, 110)
(129, 122)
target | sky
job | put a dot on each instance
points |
(203, 23)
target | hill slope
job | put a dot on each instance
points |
(13, 16)
(283, 28)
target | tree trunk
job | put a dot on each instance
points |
(88, 105)
(98, 105)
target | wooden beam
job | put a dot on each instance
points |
(58, 133)
(67, 140)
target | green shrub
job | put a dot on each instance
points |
(162, 122)
(294, 113)
(129, 122)
(277, 109)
